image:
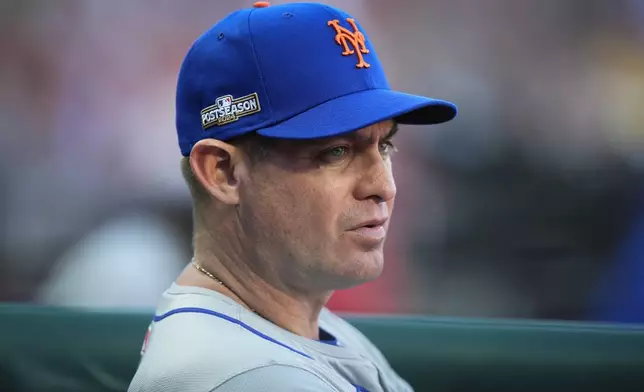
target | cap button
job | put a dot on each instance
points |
(261, 4)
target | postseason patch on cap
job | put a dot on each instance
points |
(228, 109)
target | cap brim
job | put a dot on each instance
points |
(358, 110)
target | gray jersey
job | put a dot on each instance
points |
(202, 341)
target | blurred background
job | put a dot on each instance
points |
(529, 205)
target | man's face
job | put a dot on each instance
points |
(318, 211)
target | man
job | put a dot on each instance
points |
(285, 120)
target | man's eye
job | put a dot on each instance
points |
(336, 152)
(387, 148)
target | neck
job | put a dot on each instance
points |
(295, 312)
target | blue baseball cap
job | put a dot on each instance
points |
(296, 71)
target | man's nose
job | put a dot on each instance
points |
(376, 180)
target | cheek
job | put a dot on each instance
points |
(297, 212)
(312, 208)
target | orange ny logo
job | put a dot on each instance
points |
(353, 42)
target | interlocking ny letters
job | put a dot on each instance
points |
(353, 42)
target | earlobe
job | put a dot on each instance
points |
(213, 165)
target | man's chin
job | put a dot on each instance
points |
(363, 271)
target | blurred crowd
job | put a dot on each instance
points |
(530, 204)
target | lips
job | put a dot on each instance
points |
(372, 223)
(371, 232)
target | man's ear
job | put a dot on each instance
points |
(214, 164)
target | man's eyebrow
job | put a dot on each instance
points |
(392, 131)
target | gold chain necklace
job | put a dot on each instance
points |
(216, 279)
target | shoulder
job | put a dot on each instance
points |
(273, 377)
(194, 351)
(280, 378)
